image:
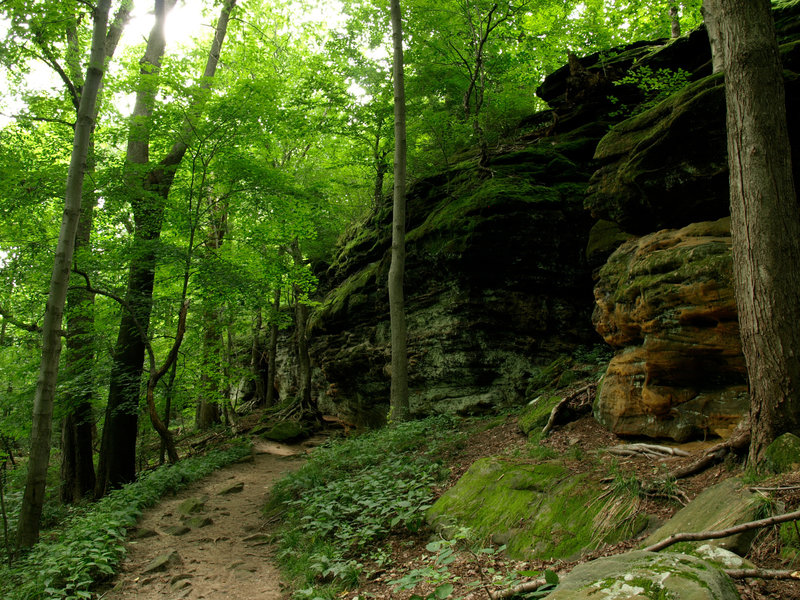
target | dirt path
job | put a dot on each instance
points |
(217, 551)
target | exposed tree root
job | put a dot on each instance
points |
(576, 402)
(646, 449)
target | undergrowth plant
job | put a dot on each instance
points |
(655, 86)
(68, 561)
(350, 495)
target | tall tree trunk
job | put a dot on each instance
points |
(208, 414)
(308, 406)
(675, 24)
(33, 498)
(715, 32)
(168, 395)
(272, 356)
(399, 388)
(151, 185)
(77, 428)
(256, 358)
(765, 217)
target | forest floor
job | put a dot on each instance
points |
(210, 536)
(221, 551)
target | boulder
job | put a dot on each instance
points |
(162, 563)
(643, 575)
(537, 510)
(783, 454)
(665, 302)
(285, 431)
(192, 505)
(721, 506)
(233, 488)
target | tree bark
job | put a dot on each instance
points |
(77, 429)
(308, 406)
(33, 498)
(675, 24)
(256, 357)
(151, 185)
(713, 27)
(273, 348)
(399, 409)
(765, 217)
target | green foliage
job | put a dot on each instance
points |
(351, 494)
(655, 86)
(88, 546)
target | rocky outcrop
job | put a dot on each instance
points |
(640, 575)
(721, 506)
(536, 510)
(496, 284)
(665, 301)
(667, 166)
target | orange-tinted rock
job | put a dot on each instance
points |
(666, 302)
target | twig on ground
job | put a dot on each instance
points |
(712, 535)
(762, 574)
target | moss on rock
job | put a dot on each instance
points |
(536, 510)
(783, 454)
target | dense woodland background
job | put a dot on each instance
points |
(223, 168)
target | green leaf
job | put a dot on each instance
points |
(443, 591)
(551, 577)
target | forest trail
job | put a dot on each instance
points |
(218, 551)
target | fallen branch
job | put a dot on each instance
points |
(762, 574)
(522, 588)
(712, 535)
(782, 488)
(554, 413)
(646, 449)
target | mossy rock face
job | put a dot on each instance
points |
(783, 454)
(665, 301)
(537, 510)
(646, 575)
(724, 505)
(285, 431)
(535, 416)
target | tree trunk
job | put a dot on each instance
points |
(273, 347)
(308, 406)
(398, 400)
(208, 413)
(256, 356)
(151, 185)
(765, 217)
(714, 29)
(33, 499)
(77, 433)
(675, 24)
(168, 395)
(77, 429)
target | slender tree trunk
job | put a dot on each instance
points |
(715, 33)
(33, 499)
(77, 460)
(399, 388)
(273, 347)
(151, 185)
(308, 406)
(765, 217)
(259, 394)
(675, 24)
(169, 393)
(208, 410)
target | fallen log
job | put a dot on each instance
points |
(646, 449)
(522, 588)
